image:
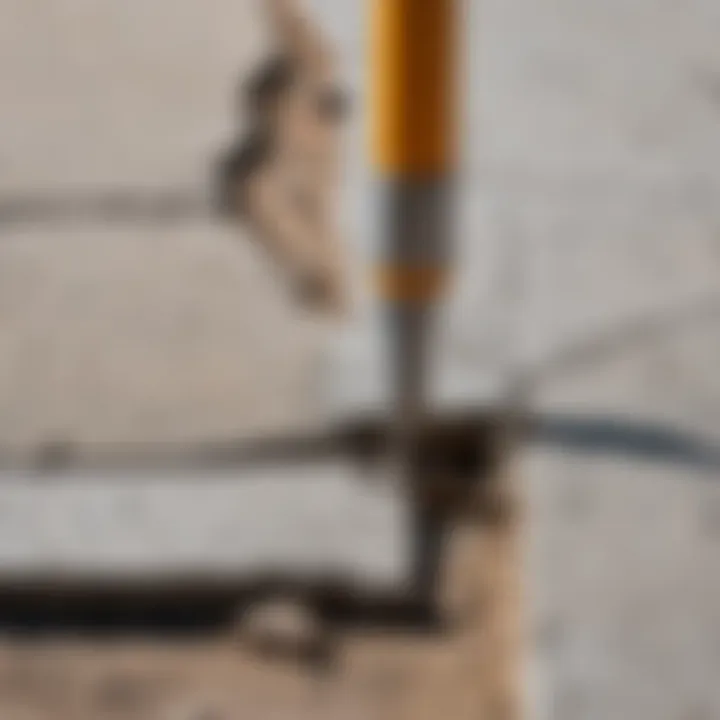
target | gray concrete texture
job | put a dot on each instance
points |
(589, 260)
(300, 524)
(134, 329)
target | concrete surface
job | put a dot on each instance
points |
(589, 269)
(133, 328)
(589, 247)
(307, 522)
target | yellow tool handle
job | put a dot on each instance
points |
(413, 95)
(411, 285)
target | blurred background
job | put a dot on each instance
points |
(588, 254)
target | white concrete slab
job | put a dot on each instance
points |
(301, 522)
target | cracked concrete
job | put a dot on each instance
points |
(589, 247)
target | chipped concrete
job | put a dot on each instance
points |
(589, 246)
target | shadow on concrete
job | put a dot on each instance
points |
(620, 437)
(58, 456)
(465, 437)
(196, 608)
(617, 435)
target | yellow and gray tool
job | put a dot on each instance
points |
(413, 148)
